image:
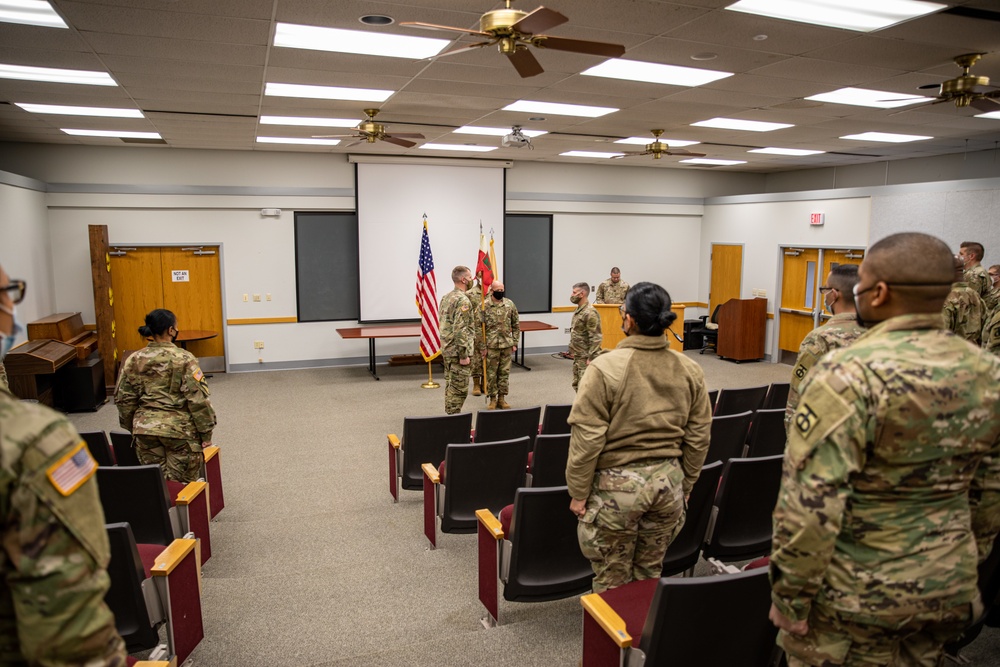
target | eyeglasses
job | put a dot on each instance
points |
(17, 287)
(858, 292)
(824, 289)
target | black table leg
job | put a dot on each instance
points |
(371, 358)
(521, 352)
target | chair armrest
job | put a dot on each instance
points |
(172, 556)
(431, 472)
(210, 452)
(190, 492)
(606, 617)
(394, 441)
(490, 523)
(157, 663)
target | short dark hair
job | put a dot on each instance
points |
(157, 322)
(582, 286)
(458, 272)
(615, 269)
(918, 265)
(975, 248)
(843, 278)
(649, 305)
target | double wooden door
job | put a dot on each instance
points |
(803, 272)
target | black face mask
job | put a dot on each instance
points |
(498, 295)
(173, 339)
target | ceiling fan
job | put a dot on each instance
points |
(966, 90)
(513, 31)
(370, 131)
(658, 149)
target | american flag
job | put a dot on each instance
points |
(430, 333)
(72, 470)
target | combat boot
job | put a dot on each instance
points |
(493, 403)
(475, 387)
(502, 404)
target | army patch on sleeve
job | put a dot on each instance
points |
(70, 472)
(198, 375)
(805, 419)
(800, 371)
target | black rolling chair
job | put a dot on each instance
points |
(682, 554)
(740, 528)
(125, 454)
(777, 396)
(100, 448)
(709, 330)
(733, 401)
(767, 434)
(728, 437)
(496, 425)
(554, 419)
(424, 439)
(548, 461)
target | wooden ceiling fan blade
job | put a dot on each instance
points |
(918, 106)
(447, 28)
(409, 135)
(579, 46)
(525, 63)
(928, 86)
(539, 20)
(461, 49)
(353, 143)
(681, 151)
(399, 142)
(986, 104)
(333, 136)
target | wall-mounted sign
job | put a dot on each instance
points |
(817, 218)
(180, 276)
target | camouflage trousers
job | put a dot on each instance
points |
(579, 367)
(498, 370)
(180, 459)
(633, 513)
(456, 384)
(839, 639)
(477, 355)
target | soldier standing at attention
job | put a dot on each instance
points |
(456, 340)
(11, 294)
(503, 326)
(162, 400)
(475, 295)
(613, 289)
(992, 298)
(585, 332)
(963, 308)
(839, 331)
(972, 254)
(54, 549)
(890, 492)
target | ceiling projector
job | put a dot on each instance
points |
(516, 139)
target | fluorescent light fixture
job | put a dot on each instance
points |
(863, 97)
(459, 147)
(886, 137)
(590, 154)
(672, 75)
(784, 151)
(298, 140)
(51, 75)
(327, 92)
(30, 12)
(529, 106)
(364, 42)
(859, 15)
(737, 124)
(496, 131)
(718, 163)
(642, 141)
(60, 110)
(305, 121)
(113, 133)
(990, 114)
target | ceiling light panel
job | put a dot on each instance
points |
(298, 140)
(593, 154)
(642, 141)
(51, 75)
(327, 92)
(785, 151)
(637, 70)
(859, 15)
(737, 124)
(557, 109)
(30, 12)
(304, 121)
(887, 137)
(717, 163)
(458, 147)
(864, 97)
(991, 114)
(496, 131)
(56, 109)
(357, 41)
(113, 133)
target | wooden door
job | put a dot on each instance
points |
(800, 281)
(832, 258)
(137, 289)
(727, 274)
(195, 297)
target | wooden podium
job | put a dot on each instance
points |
(742, 328)
(611, 326)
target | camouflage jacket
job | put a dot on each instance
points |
(991, 333)
(3, 376)
(585, 332)
(456, 325)
(609, 292)
(978, 279)
(963, 312)
(992, 299)
(161, 391)
(54, 552)
(839, 331)
(891, 483)
(503, 326)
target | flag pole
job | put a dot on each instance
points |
(430, 384)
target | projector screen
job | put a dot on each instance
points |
(392, 199)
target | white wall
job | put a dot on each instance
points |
(25, 251)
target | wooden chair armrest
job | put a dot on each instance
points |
(210, 452)
(157, 663)
(393, 441)
(172, 556)
(490, 523)
(190, 492)
(606, 617)
(431, 472)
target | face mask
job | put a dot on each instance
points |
(498, 295)
(7, 342)
(173, 339)
(575, 298)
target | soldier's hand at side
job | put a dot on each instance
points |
(464, 361)
(788, 625)
(578, 507)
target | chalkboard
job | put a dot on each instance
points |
(326, 266)
(526, 270)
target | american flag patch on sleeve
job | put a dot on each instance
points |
(70, 472)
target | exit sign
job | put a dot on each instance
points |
(817, 218)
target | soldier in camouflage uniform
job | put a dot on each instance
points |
(613, 289)
(11, 293)
(456, 340)
(585, 332)
(991, 333)
(162, 399)
(635, 454)
(503, 326)
(475, 295)
(975, 275)
(963, 309)
(992, 298)
(839, 331)
(889, 494)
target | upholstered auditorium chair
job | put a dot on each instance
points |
(728, 437)
(424, 439)
(740, 527)
(735, 401)
(682, 554)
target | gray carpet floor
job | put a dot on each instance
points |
(313, 566)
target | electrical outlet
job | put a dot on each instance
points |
(246, 297)
(258, 345)
(256, 298)
(267, 296)
(762, 293)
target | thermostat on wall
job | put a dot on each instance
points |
(270, 212)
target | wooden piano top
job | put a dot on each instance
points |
(39, 357)
(66, 328)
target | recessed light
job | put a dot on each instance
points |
(642, 141)
(593, 154)
(759, 38)
(363, 42)
(718, 163)
(308, 122)
(886, 137)
(737, 124)
(865, 97)
(859, 15)
(496, 131)
(785, 151)
(705, 55)
(559, 109)
(635, 70)
(30, 12)
(459, 147)
(113, 133)
(376, 19)
(60, 110)
(327, 92)
(990, 114)
(298, 140)
(51, 75)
